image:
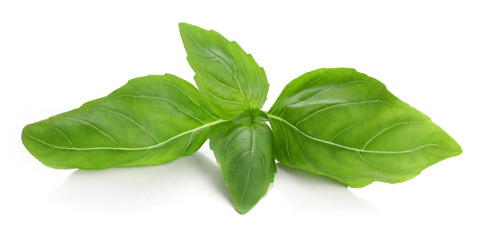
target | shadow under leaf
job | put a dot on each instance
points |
(308, 192)
(142, 188)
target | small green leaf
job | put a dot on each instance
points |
(151, 120)
(348, 126)
(229, 79)
(244, 150)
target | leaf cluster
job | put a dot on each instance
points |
(332, 122)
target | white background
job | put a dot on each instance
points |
(56, 55)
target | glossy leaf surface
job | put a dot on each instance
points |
(151, 120)
(345, 125)
(244, 150)
(229, 79)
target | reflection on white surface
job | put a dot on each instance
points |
(195, 182)
(306, 192)
(142, 188)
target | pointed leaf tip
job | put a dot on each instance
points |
(369, 134)
(229, 79)
(244, 150)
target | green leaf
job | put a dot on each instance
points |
(229, 79)
(345, 125)
(151, 120)
(244, 150)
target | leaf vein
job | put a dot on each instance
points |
(96, 128)
(385, 130)
(165, 100)
(63, 134)
(352, 148)
(220, 98)
(188, 96)
(336, 106)
(132, 149)
(131, 120)
(216, 80)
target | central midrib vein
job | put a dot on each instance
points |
(347, 147)
(133, 149)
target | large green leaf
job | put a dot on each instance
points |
(244, 150)
(151, 120)
(348, 126)
(229, 79)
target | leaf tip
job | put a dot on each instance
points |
(458, 149)
(186, 27)
(242, 209)
(183, 25)
(24, 135)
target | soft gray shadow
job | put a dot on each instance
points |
(141, 188)
(312, 193)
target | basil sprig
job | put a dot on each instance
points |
(332, 122)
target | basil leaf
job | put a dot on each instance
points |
(151, 120)
(347, 126)
(229, 79)
(244, 150)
